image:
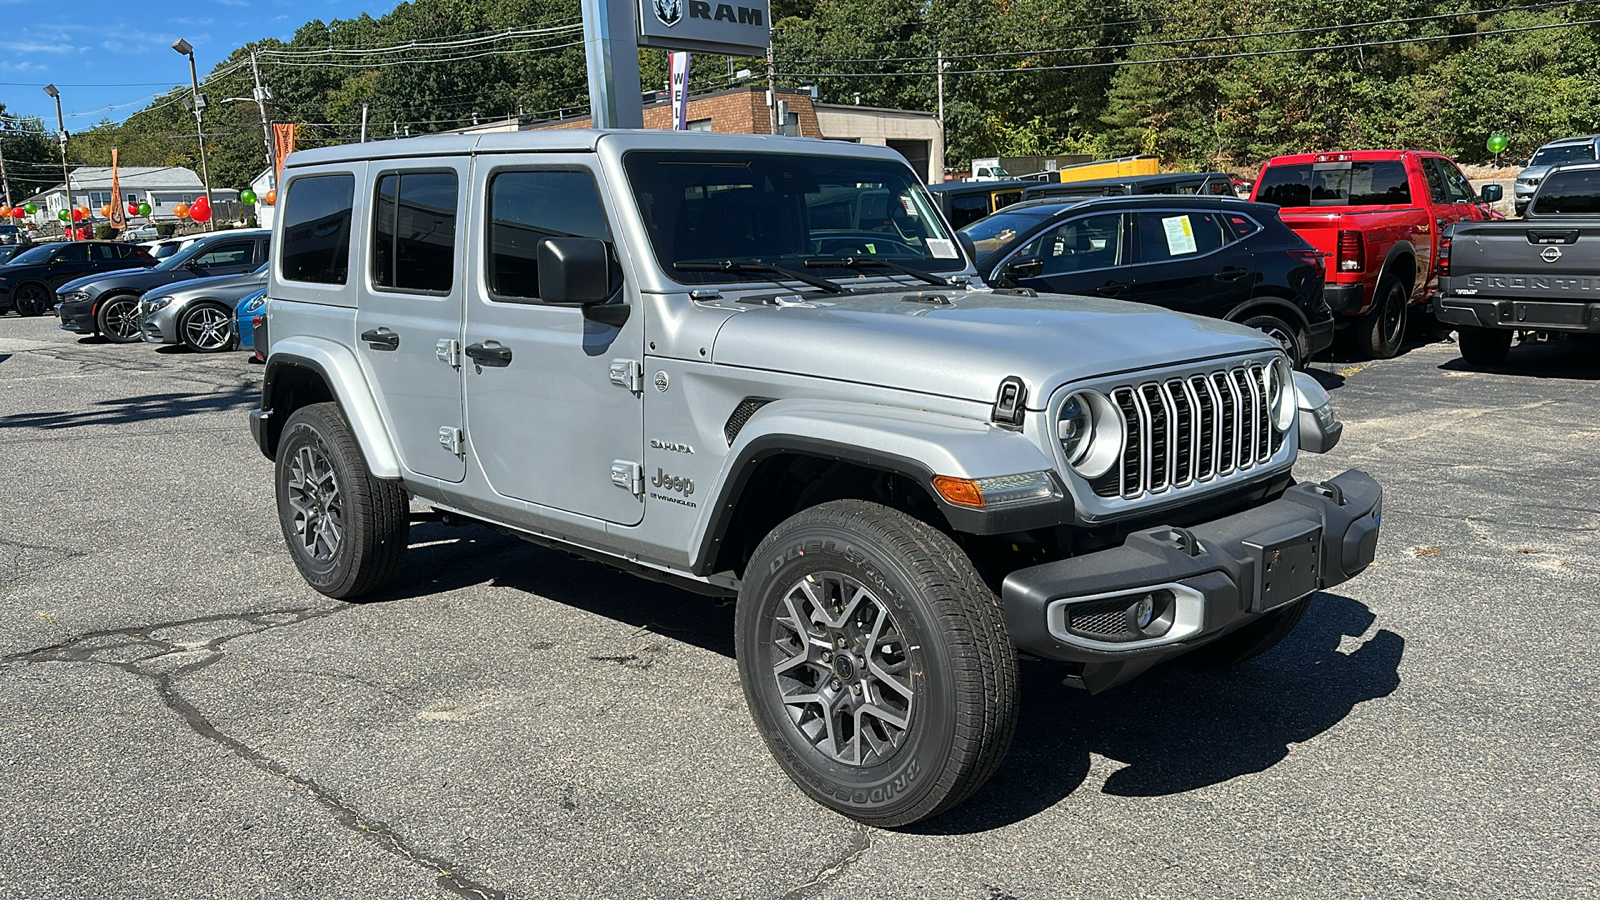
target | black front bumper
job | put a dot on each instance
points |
(1521, 315)
(1216, 577)
(78, 316)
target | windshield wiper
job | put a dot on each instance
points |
(872, 262)
(734, 268)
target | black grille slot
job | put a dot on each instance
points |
(1205, 463)
(1182, 432)
(1104, 620)
(741, 415)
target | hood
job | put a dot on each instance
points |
(964, 349)
(125, 279)
(1533, 172)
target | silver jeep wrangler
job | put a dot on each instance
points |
(762, 367)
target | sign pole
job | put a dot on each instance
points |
(610, 43)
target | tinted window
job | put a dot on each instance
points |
(1093, 242)
(233, 254)
(966, 210)
(1436, 188)
(1003, 199)
(104, 252)
(1378, 183)
(1568, 192)
(1455, 183)
(73, 253)
(1240, 226)
(527, 206)
(414, 231)
(316, 229)
(1563, 153)
(998, 231)
(1176, 235)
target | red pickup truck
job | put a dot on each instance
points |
(1377, 215)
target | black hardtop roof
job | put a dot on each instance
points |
(1048, 206)
(1135, 180)
(979, 187)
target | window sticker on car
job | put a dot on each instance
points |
(1180, 235)
(911, 209)
(941, 248)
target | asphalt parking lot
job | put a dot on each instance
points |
(181, 716)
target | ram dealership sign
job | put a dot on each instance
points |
(739, 28)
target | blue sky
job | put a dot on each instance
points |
(108, 57)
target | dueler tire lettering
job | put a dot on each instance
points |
(875, 662)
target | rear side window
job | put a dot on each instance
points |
(1240, 226)
(1373, 183)
(104, 252)
(966, 210)
(414, 232)
(526, 206)
(234, 254)
(316, 229)
(1568, 192)
(1171, 235)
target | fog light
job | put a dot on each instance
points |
(1144, 612)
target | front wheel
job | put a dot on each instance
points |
(1379, 330)
(347, 531)
(118, 319)
(206, 329)
(1483, 346)
(875, 662)
(1294, 341)
(32, 300)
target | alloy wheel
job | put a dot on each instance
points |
(31, 300)
(208, 328)
(317, 502)
(842, 669)
(122, 319)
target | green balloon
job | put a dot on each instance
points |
(1496, 143)
(64, 215)
(30, 208)
(144, 209)
(247, 196)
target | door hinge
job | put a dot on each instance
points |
(448, 351)
(628, 373)
(451, 439)
(629, 476)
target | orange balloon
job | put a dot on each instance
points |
(271, 198)
(105, 211)
(181, 210)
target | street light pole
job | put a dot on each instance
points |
(61, 134)
(184, 48)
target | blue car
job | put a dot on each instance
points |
(250, 307)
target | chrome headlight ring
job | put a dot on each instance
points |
(1281, 395)
(1090, 429)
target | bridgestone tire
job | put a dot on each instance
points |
(1296, 343)
(1250, 641)
(1380, 330)
(372, 516)
(1484, 346)
(956, 658)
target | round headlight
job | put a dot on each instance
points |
(1280, 391)
(1090, 429)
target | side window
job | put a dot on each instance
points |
(1171, 235)
(1456, 183)
(1003, 199)
(104, 252)
(1436, 188)
(529, 205)
(1093, 242)
(414, 232)
(1240, 227)
(316, 229)
(231, 254)
(966, 210)
(73, 253)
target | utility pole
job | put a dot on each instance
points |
(61, 133)
(184, 48)
(5, 181)
(940, 70)
(772, 89)
(262, 96)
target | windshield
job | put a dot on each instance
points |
(785, 209)
(1375, 183)
(1000, 230)
(1568, 192)
(1563, 153)
(33, 256)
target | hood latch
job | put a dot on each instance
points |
(1009, 403)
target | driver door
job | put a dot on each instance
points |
(1078, 256)
(67, 262)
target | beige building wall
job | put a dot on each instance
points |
(885, 127)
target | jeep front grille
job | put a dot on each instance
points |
(1191, 429)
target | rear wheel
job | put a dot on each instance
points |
(32, 300)
(1294, 341)
(875, 662)
(1483, 346)
(207, 328)
(118, 319)
(1379, 330)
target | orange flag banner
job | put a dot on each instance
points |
(118, 220)
(282, 144)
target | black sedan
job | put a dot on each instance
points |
(29, 280)
(109, 305)
(1210, 256)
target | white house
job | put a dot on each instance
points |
(163, 187)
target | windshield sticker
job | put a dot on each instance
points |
(942, 249)
(1180, 235)
(911, 210)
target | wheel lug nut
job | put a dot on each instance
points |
(834, 684)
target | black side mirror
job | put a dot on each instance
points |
(574, 271)
(1025, 267)
(1492, 193)
(971, 249)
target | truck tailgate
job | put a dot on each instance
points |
(1552, 261)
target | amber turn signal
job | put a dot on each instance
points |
(958, 491)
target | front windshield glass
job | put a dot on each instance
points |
(181, 258)
(34, 256)
(1563, 153)
(784, 209)
(1001, 230)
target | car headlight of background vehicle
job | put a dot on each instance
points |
(1281, 395)
(1089, 427)
(156, 304)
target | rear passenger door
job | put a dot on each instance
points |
(550, 411)
(1187, 260)
(408, 319)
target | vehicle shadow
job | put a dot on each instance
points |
(1176, 730)
(1564, 359)
(125, 410)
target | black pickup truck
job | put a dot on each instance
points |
(1539, 276)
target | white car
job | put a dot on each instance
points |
(165, 247)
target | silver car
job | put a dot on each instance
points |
(198, 314)
(1555, 153)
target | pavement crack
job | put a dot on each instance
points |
(860, 843)
(118, 648)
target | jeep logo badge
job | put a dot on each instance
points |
(670, 12)
(1550, 254)
(662, 383)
